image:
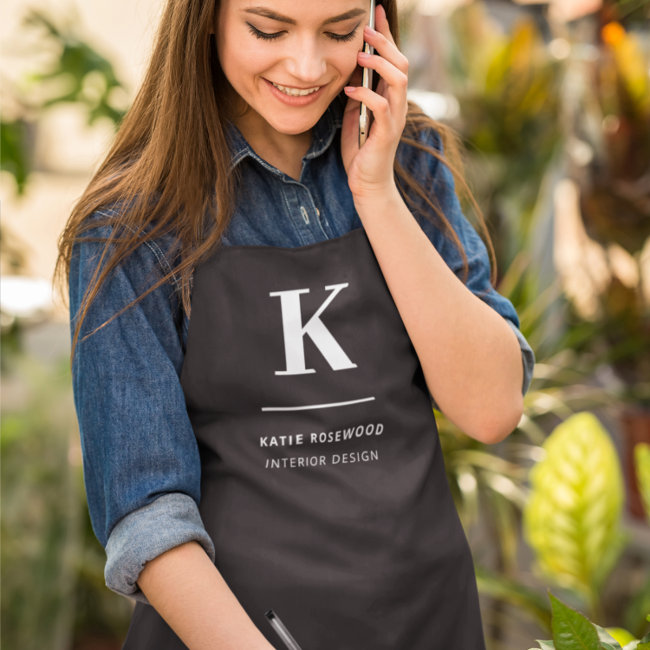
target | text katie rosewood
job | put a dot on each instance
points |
(339, 435)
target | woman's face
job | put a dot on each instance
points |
(288, 59)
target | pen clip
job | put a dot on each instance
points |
(282, 630)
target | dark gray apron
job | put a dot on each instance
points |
(323, 483)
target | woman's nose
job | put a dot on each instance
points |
(307, 63)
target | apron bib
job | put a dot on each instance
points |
(323, 483)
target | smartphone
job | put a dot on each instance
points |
(366, 82)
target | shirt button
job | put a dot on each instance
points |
(317, 212)
(304, 214)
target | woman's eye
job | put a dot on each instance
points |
(343, 37)
(263, 35)
(258, 33)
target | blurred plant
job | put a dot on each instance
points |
(615, 199)
(631, 12)
(572, 517)
(642, 463)
(53, 592)
(519, 104)
(508, 88)
(513, 91)
(76, 74)
(14, 157)
(610, 128)
(572, 520)
(573, 631)
(490, 483)
(40, 519)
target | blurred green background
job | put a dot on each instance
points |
(552, 102)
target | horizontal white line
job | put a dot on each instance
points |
(316, 406)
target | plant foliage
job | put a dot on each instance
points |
(572, 517)
(573, 631)
(79, 74)
(642, 464)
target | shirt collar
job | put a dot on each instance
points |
(322, 136)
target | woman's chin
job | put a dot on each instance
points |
(295, 127)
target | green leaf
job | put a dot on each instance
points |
(571, 630)
(618, 634)
(13, 151)
(572, 518)
(634, 615)
(78, 74)
(645, 641)
(642, 465)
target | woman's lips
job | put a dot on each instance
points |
(295, 100)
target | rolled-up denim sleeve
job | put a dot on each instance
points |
(439, 182)
(141, 460)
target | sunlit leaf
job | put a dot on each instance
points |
(618, 634)
(572, 517)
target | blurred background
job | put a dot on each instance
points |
(552, 102)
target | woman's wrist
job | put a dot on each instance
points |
(372, 202)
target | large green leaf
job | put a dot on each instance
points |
(572, 518)
(571, 630)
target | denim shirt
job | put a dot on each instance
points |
(141, 460)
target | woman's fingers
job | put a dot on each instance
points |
(382, 40)
(391, 74)
(381, 23)
(389, 63)
(386, 49)
(388, 120)
(376, 103)
(387, 103)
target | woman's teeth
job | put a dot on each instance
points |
(296, 92)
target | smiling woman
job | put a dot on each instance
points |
(242, 272)
(287, 65)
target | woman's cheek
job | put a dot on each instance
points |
(351, 63)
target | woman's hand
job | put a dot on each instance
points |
(370, 169)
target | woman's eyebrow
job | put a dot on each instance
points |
(268, 13)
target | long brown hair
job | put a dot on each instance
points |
(169, 166)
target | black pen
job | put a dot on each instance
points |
(282, 631)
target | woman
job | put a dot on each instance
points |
(262, 313)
